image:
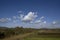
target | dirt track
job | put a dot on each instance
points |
(18, 37)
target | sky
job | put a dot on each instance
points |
(30, 13)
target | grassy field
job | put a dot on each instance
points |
(35, 36)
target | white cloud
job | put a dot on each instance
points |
(54, 22)
(39, 20)
(44, 22)
(9, 19)
(3, 20)
(42, 17)
(21, 16)
(15, 21)
(29, 17)
(14, 17)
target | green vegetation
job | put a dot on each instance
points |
(7, 32)
(20, 33)
(37, 36)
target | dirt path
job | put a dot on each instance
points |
(18, 37)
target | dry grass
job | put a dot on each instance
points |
(18, 37)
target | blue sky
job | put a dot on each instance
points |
(30, 13)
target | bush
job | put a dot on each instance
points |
(2, 35)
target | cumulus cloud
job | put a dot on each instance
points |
(54, 22)
(40, 20)
(9, 19)
(14, 17)
(44, 22)
(37, 21)
(5, 20)
(21, 16)
(29, 17)
(42, 17)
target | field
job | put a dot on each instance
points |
(29, 34)
(41, 38)
(36, 36)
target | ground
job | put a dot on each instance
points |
(32, 36)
